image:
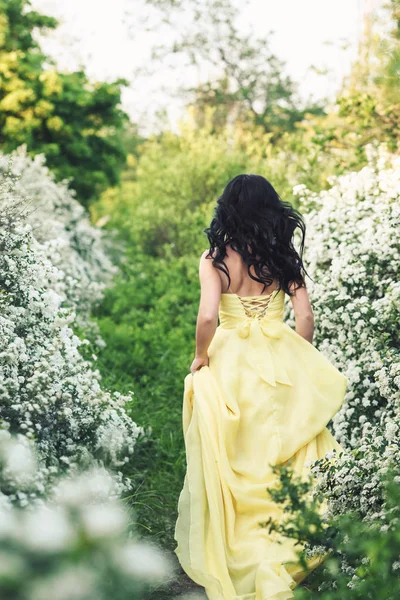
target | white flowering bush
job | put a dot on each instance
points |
(62, 227)
(64, 532)
(354, 260)
(48, 391)
(353, 256)
(75, 544)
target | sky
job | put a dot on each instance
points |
(95, 34)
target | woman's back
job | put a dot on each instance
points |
(244, 286)
(241, 282)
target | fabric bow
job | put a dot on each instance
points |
(271, 329)
(262, 357)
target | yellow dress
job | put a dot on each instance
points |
(264, 399)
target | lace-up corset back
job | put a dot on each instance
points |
(264, 308)
(255, 306)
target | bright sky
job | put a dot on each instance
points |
(94, 33)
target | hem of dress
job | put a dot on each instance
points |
(215, 590)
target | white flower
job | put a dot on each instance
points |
(143, 561)
(93, 485)
(20, 460)
(46, 529)
(71, 583)
(7, 521)
(103, 521)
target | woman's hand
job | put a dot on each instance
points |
(197, 363)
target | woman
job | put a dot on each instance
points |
(258, 394)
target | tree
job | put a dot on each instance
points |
(248, 81)
(368, 106)
(76, 123)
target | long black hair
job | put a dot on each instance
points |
(255, 221)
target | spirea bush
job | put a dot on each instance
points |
(48, 391)
(75, 543)
(61, 225)
(353, 257)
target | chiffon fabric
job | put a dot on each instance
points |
(265, 399)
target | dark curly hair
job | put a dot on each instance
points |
(252, 218)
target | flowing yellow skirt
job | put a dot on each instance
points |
(236, 425)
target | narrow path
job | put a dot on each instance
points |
(181, 584)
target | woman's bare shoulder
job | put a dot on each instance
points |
(207, 255)
(230, 256)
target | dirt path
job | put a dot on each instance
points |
(181, 584)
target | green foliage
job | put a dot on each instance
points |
(75, 122)
(370, 550)
(303, 511)
(368, 106)
(178, 178)
(387, 78)
(169, 195)
(148, 330)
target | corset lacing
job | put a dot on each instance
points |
(257, 306)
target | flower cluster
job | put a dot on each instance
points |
(48, 391)
(75, 543)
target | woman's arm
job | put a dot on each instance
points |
(207, 317)
(303, 313)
